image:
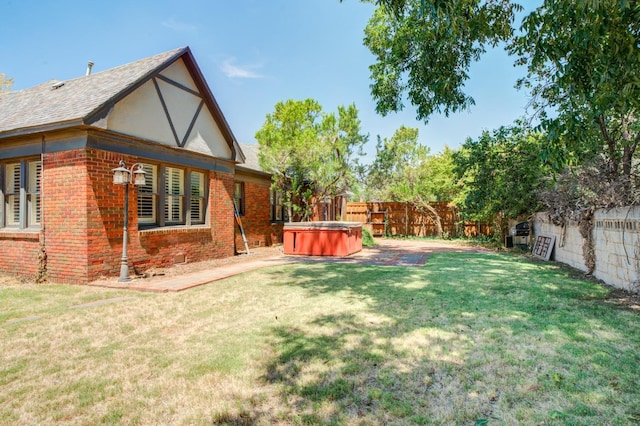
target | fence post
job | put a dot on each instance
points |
(406, 218)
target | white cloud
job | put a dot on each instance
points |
(172, 24)
(234, 71)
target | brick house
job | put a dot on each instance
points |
(61, 215)
(261, 211)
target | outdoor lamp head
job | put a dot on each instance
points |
(121, 174)
(139, 176)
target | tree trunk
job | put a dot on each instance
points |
(628, 151)
(436, 219)
(434, 216)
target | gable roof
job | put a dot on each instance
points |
(83, 101)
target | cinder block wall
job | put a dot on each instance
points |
(568, 245)
(616, 238)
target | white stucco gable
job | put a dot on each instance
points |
(170, 109)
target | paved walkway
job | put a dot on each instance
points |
(194, 279)
(407, 253)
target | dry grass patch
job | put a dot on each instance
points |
(468, 339)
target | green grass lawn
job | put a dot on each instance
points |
(468, 339)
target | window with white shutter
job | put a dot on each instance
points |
(33, 192)
(12, 194)
(174, 195)
(198, 197)
(21, 194)
(148, 196)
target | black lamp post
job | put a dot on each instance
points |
(124, 176)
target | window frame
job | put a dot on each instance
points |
(276, 206)
(239, 201)
(200, 197)
(168, 194)
(151, 176)
(29, 212)
(173, 196)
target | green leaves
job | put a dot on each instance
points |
(583, 62)
(309, 153)
(582, 59)
(403, 170)
(424, 49)
(501, 173)
(394, 175)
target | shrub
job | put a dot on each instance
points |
(367, 238)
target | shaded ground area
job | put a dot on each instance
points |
(387, 252)
(624, 299)
(392, 252)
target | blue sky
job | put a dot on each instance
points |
(253, 53)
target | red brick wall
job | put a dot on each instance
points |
(221, 213)
(83, 215)
(19, 252)
(64, 214)
(163, 247)
(82, 218)
(256, 222)
(63, 223)
(105, 216)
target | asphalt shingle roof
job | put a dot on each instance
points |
(251, 156)
(77, 99)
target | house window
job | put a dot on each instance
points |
(148, 196)
(198, 198)
(238, 198)
(12, 185)
(21, 194)
(277, 209)
(173, 195)
(181, 201)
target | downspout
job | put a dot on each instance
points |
(41, 273)
(212, 207)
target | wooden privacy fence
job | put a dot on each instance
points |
(408, 219)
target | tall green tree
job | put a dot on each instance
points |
(583, 62)
(582, 59)
(442, 179)
(5, 83)
(501, 175)
(425, 48)
(309, 153)
(387, 177)
(404, 171)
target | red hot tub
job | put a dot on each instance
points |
(322, 238)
